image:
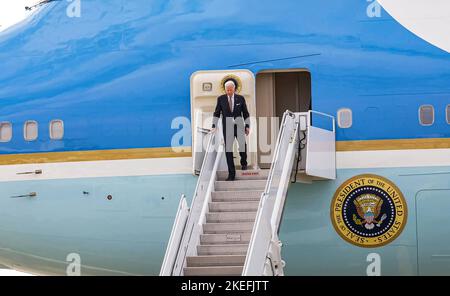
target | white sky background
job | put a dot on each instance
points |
(13, 11)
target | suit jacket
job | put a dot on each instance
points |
(240, 111)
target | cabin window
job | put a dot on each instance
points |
(426, 115)
(30, 130)
(345, 118)
(56, 129)
(5, 132)
(447, 112)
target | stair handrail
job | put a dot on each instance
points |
(175, 237)
(201, 197)
(271, 204)
(280, 198)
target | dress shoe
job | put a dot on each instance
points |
(230, 178)
(244, 168)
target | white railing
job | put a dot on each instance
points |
(321, 146)
(264, 245)
(202, 196)
(175, 238)
(330, 117)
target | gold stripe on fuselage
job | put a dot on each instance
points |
(401, 144)
(145, 153)
(74, 156)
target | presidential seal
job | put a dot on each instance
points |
(369, 211)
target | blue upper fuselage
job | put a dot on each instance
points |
(119, 74)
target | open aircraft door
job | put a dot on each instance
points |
(206, 86)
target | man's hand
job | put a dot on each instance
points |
(213, 130)
(247, 131)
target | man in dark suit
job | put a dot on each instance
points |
(235, 122)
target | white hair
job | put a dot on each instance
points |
(229, 83)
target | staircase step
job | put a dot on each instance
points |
(225, 239)
(234, 249)
(250, 195)
(214, 271)
(243, 206)
(245, 175)
(227, 228)
(230, 217)
(224, 260)
(240, 185)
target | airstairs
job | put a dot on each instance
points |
(232, 228)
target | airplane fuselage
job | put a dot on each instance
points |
(117, 77)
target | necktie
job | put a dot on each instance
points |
(230, 103)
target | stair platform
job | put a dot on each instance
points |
(246, 195)
(230, 217)
(225, 239)
(243, 206)
(235, 249)
(217, 260)
(227, 228)
(214, 271)
(240, 185)
(245, 175)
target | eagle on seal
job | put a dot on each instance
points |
(368, 207)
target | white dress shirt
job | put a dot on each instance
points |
(232, 102)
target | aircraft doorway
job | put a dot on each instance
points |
(276, 92)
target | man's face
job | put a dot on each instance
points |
(230, 90)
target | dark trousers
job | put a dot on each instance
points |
(238, 134)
